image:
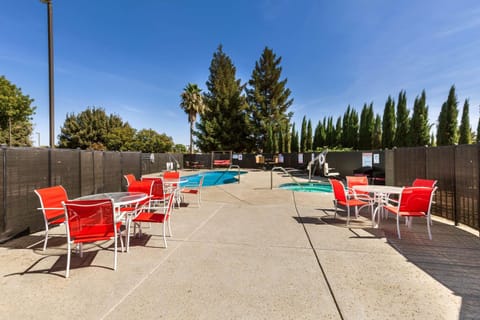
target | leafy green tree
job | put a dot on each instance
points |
(419, 132)
(192, 104)
(447, 130)
(388, 124)
(377, 133)
(95, 130)
(401, 133)
(149, 141)
(16, 112)
(224, 125)
(465, 130)
(179, 148)
(267, 97)
(366, 127)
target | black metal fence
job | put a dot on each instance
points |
(85, 172)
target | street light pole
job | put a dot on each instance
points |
(50, 72)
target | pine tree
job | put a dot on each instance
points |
(401, 134)
(447, 131)
(478, 131)
(465, 130)
(224, 125)
(388, 124)
(267, 97)
(419, 131)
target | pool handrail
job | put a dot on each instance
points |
(227, 170)
(284, 171)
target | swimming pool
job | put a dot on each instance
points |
(307, 187)
(212, 178)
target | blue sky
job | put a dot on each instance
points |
(133, 58)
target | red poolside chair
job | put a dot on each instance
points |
(51, 199)
(90, 221)
(413, 202)
(342, 198)
(424, 183)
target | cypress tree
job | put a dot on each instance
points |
(303, 135)
(465, 130)
(338, 132)
(401, 134)
(419, 132)
(388, 124)
(224, 125)
(366, 127)
(447, 131)
(478, 131)
(294, 139)
(377, 133)
(309, 136)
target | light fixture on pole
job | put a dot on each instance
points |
(50, 72)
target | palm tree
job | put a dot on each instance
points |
(192, 104)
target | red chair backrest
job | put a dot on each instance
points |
(130, 178)
(416, 199)
(144, 186)
(171, 175)
(424, 183)
(356, 181)
(51, 199)
(90, 219)
(338, 190)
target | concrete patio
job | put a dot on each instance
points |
(252, 253)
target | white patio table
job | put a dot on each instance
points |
(380, 196)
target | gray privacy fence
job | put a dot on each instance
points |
(85, 172)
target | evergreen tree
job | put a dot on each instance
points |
(401, 134)
(224, 125)
(309, 136)
(149, 141)
(377, 133)
(478, 131)
(465, 130)
(16, 112)
(447, 130)
(366, 127)
(95, 130)
(419, 132)
(267, 97)
(345, 128)
(303, 135)
(330, 133)
(388, 124)
(338, 132)
(294, 140)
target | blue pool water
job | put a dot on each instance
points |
(307, 187)
(212, 178)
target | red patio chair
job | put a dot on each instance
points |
(51, 199)
(162, 217)
(424, 183)
(130, 178)
(342, 198)
(413, 202)
(194, 190)
(90, 221)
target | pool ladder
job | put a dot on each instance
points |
(284, 171)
